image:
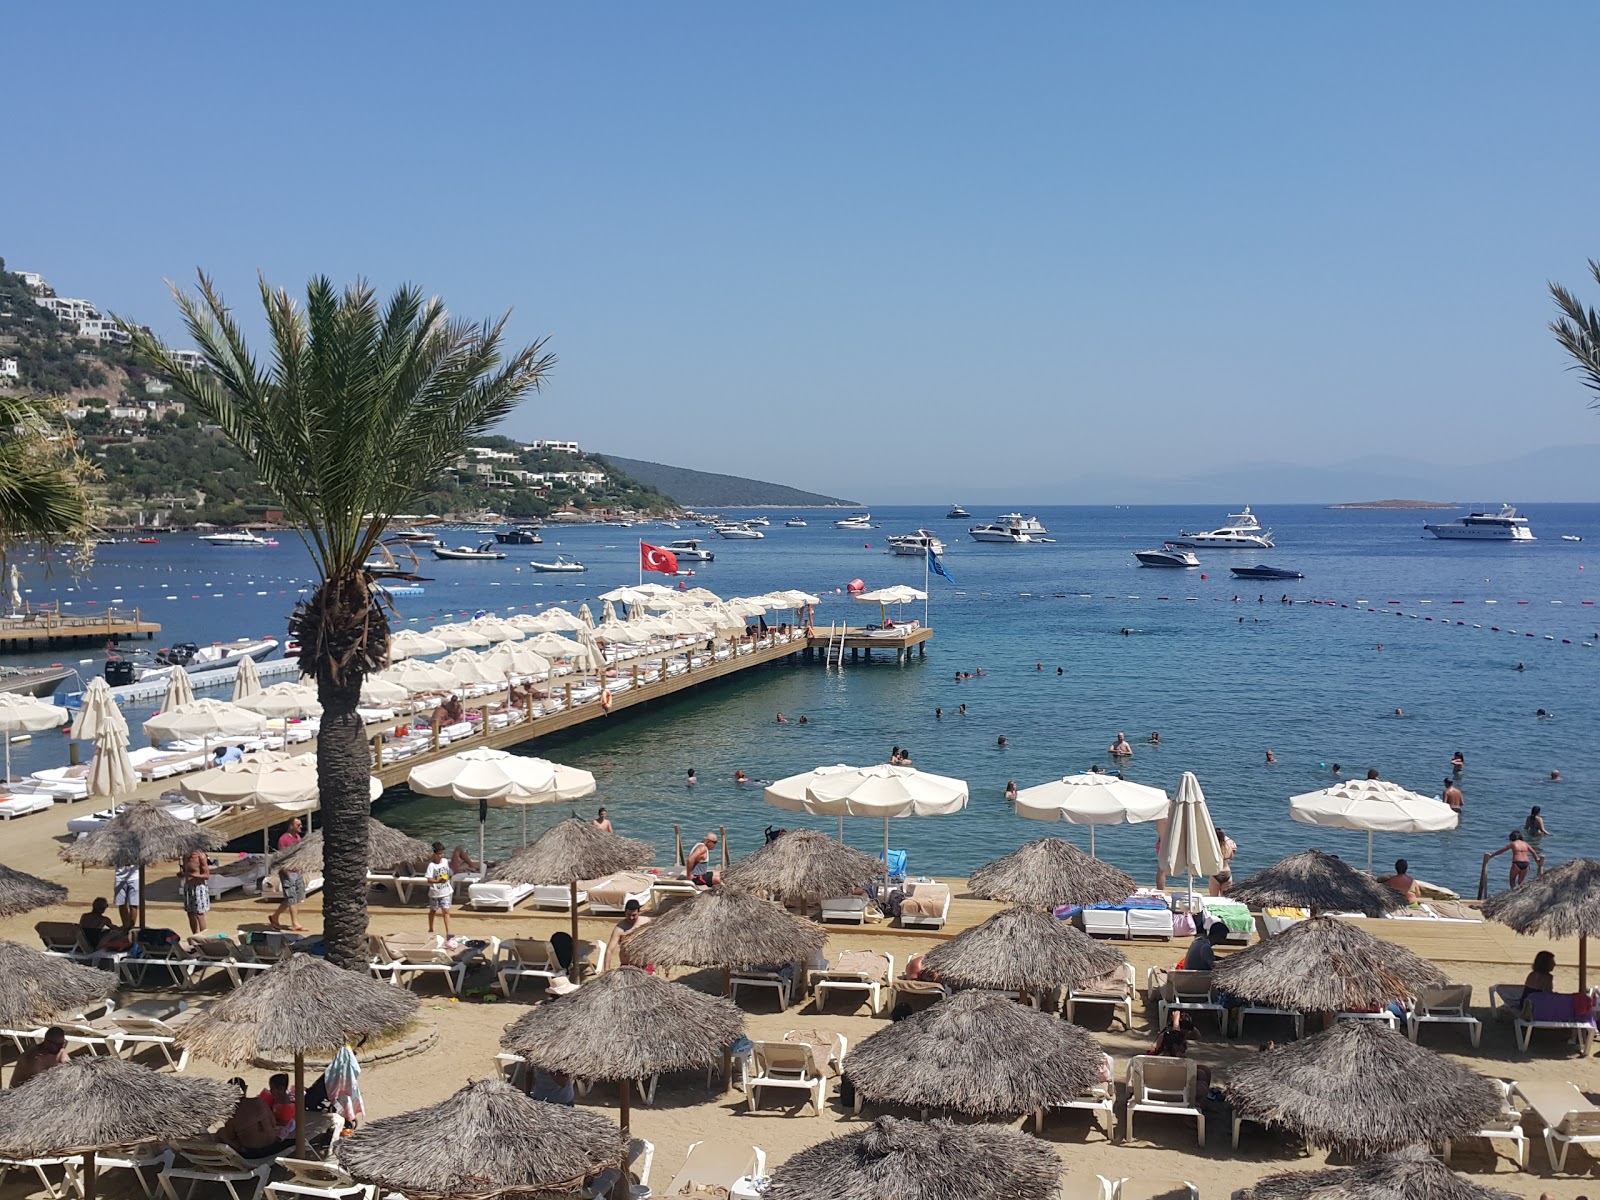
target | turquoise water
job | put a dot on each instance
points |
(1221, 680)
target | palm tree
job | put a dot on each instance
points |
(42, 495)
(1578, 331)
(360, 409)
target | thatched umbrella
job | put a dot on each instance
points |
(1022, 950)
(1049, 873)
(1325, 965)
(1407, 1093)
(21, 892)
(978, 1054)
(571, 850)
(1560, 903)
(89, 1103)
(301, 1004)
(488, 1140)
(1409, 1174)
(137, 836)
(1320, 882)
(731, 930)
(36, 988)
(915, 1160)
(385, 847)
(801, 863)
(626, 1024)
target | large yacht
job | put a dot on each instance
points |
(1014, 528)
(242, 537)
(1167, 556)
(1242, 532)
(957, 513)
(916, 543)
(859, 521)
(1503, 526)
(690, 548)
(739, 531)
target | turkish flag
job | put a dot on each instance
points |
(654, 558)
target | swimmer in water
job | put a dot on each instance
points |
(1155, 739)
(1399, 712)
(1001, 742)
(1457, 762)
(782, 720)
(1271, 758)
(1541, 714)
(1011, 789)
(740, 777)
(1521, 667)
(1555, 776)
(1120, 747)
(690, 780)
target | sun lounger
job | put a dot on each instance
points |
(1191, 992)
(848, 909)
(224, 954)
(925, 904)
(240, 874)
(1113, 990)
(790, 1065)
(557, 896)
(780, 981)
(641, 1154)
(204, 1161)
(1105, 920)
(1266, 1010)
(1164, 1085)
(175, 960)
(1555, 1010)
(667, 885)
(407, 960)
(1566, 1114)
(1099, 1098)
(41, 1167)
(1156, 1189)
(145, 1160)
(864, 971)
(131, 1033)
(20, 804)
(1149, 915)
(64, 939)
(1447, 1005)
(1384, 1016)
(406, 880)
(611, 895)
(1506, 1126)
(919, 987)
(318, 1181)
(498, 894)
(716, 1165)
(63, 783)
(517, 959)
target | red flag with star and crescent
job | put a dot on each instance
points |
(654, 558)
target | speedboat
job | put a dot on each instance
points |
(859, 521)
(34, 681)
(757, 522)
(618, 524)
(1503, 526)
(739, 532)
(1167, 556)
(957, 513)
(1242, 532)
(485, 551)
(237, 537)
(1265, 572)
(690, 548)
(127, 665)
(519, 535)
(147, 541)
(1013, 528)
(916, 543)
(794, 523)
(1571, 537)
(416, 537)
(562, 564)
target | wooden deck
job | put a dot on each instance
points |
(46, 629)
(862, 642)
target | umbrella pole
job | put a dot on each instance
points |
(1583, 962)
(1369, 852)
(88, 1175)
(300, 1104)
(1091, 842)
(481, 858)
(524, 826)
(7, 735)
(620, 1190)
(576, 962)
(141, 895)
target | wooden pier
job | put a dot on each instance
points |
(48, 628)
(831, 642)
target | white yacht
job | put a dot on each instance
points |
(794, 523)
(859, 521)
(1503, 526)
(690, 548)
(1242, 532)
(739, 532)
(957, 513)
(133, 665)
(757, 522)
(1167, 556)
(238, 537)
(917, 543)
(1015, 528)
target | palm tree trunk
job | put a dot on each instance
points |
(344, 764)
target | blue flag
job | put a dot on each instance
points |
(937, 567)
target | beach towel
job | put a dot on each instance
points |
(615, 889)
(874, 967)
(929, 900)
(342, 1080)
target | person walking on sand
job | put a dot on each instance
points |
(439, 888)
(1521, 852)
(290, 880)
(194, 880)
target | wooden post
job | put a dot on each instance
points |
(1483, 879)
(569, 695)
(300, 1105)
(722, 839)
(635, 674)
(72, 754)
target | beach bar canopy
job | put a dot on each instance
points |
(1319, 882)
(1092, 799)
(1373, 806)
(1410, 1174)
(1049, 873)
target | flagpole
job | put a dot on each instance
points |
(926, 558)
(641, 562)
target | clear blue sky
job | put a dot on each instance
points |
(874, 248)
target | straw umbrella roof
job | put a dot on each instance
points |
(1563, 902)
(385, 847)
(139, 835)
(726, 929)
(301, 1004)
(915, 1160)
(1049, 873)
(1409, 1174)
(802, 862)
(1362, 1088)
(978, 1053)
(89, 1102)
(1325, 964)
(21, 892)
(626, 1024)
(1022, 949)
(37, 987)
(571, 850)
(1317, 881)
(488, 1140)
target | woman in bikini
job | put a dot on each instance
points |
(1521, 853)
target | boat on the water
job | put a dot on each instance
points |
(916, 543)
(859, 521)
(1503, 526)
(129, 665)
(1571, 537)
(690, 548)
(794, 523)
(562, 564)
(957, 513)
(1265, 572)
(147, 541)
(757, 522)
(1242, 532)
(519, 535)
(486, 551)
(739, 532)
(1167, 556)
(416, 537)
(34, 681)
(1011, 528)
(241, 538)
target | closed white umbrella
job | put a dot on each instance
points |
(1191, 847)
(283, 701)
(1373, 805)
(608, 613)
(1091, 800)
(494, 778)
(509, 658)
(248, 680)
(204, 719)
(15, 590)
(412, 643)
(180, 689)
(886, 792)
(97, 712)
(111, 772)
(25, 714)
(459, 637)
(586, 616)
(416, 677)
(467, 667)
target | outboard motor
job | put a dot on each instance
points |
(119, 671)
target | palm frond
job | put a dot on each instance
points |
(42, 477)
(1578, 331)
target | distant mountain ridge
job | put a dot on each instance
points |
(707, 489)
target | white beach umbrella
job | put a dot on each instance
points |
(698, 595)
(496, 779)
(509, 658)
(283, 701)
(467, 667)
(586, 616)
(1373, 805)
(886, 792)
(1092, 799)
(792, 794)
(897, 594)
(180, 689)
(97, 712)
(608, 612)
(413, 643)
(743, 606)
(624, 595)
(380, 693)
(26, 714)
(248, 680)
(497, 630)
(624, 631)
(286, 781)
(458, 637)
(204, 719)
(798, 599)
(554, 646)
(417, 677)
(551, 620)
(724, 617)
(1191, 840)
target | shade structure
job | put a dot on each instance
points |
(459, 636)
(792, 793)
(282, 701)
(98, 712)
(469, 667)
(977, 1053)
(1408, 1094)
(205, 718)
(731, 930)
(386, 847)
(488, 1140)
(247, 682)
(894, 1159)
(496, 779)
(511, 658)
(1091, 799)
(380, 693)
(1375, 806)
(585, 615)
(1325, 965)
(37, 988)
(554, 646)
(1049, 873)
(1191, 845)
(111, 772)
(24, 714)
(802, 863)
(625, 632)
(298, 1006)
(286, 781)
(1410, 1174)
(138, 836)
(413, 643)
(1319, 882)
(418, 677)
(551, 620)
(180, 689)
(21, 892)
(571, 850)
(90, 1103)
(1022, 950)
(1563, 902)
(497, 630)
(886, 792)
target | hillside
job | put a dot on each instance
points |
(707, 489)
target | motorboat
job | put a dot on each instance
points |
(241, 538)
(34, 681)
(757, 522)
(859, 521)
(794, 523)
(416, 537)
(957, 513)
(147, 541)
(618, 524)
(920, 542)
(1265, 572)
(690, 548)
(1012, 528)
(739, 532)
(562, 564)
(486, 551)
(128, 665)
(1167, 556)
(1571, 537)
(667, 523)
(1503, 526)
(1242, 532)
(519, 535)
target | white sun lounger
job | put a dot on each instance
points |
(1566, 1114)
(1505, 1126)
(23, 803)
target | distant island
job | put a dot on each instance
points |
(1429, 504)
(707, 489)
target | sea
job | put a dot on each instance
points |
(1395, 651)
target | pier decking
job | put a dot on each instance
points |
(45, 629)
(832, 641)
